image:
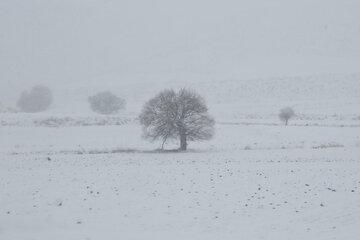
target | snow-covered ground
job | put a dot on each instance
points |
(70, 174)
(67, 175)
(250, 182)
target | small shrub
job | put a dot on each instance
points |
(247, 147)
(5, 109)
(37, 100)
(106, 103)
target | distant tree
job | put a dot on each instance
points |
(180, 115)
(106, 103)
(285, 114)
(37, 100)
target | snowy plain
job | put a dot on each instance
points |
(87, 176)
(70, 174)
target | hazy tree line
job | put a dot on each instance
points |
(40, 98)
(181, 115)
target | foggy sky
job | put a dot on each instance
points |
(62, 41)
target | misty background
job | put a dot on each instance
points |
(84, 44)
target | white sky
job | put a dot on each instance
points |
(62, 41)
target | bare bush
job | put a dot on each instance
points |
(329, 145)
(37, 100)
(285, 114)
(106, 103)
(180, 115)
(87, 121)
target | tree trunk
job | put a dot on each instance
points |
(286, 122)
(183, 144)
(162, 145)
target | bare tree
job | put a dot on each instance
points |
(180, 115)
(285, 114)
(106, 103)
(38, 99)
